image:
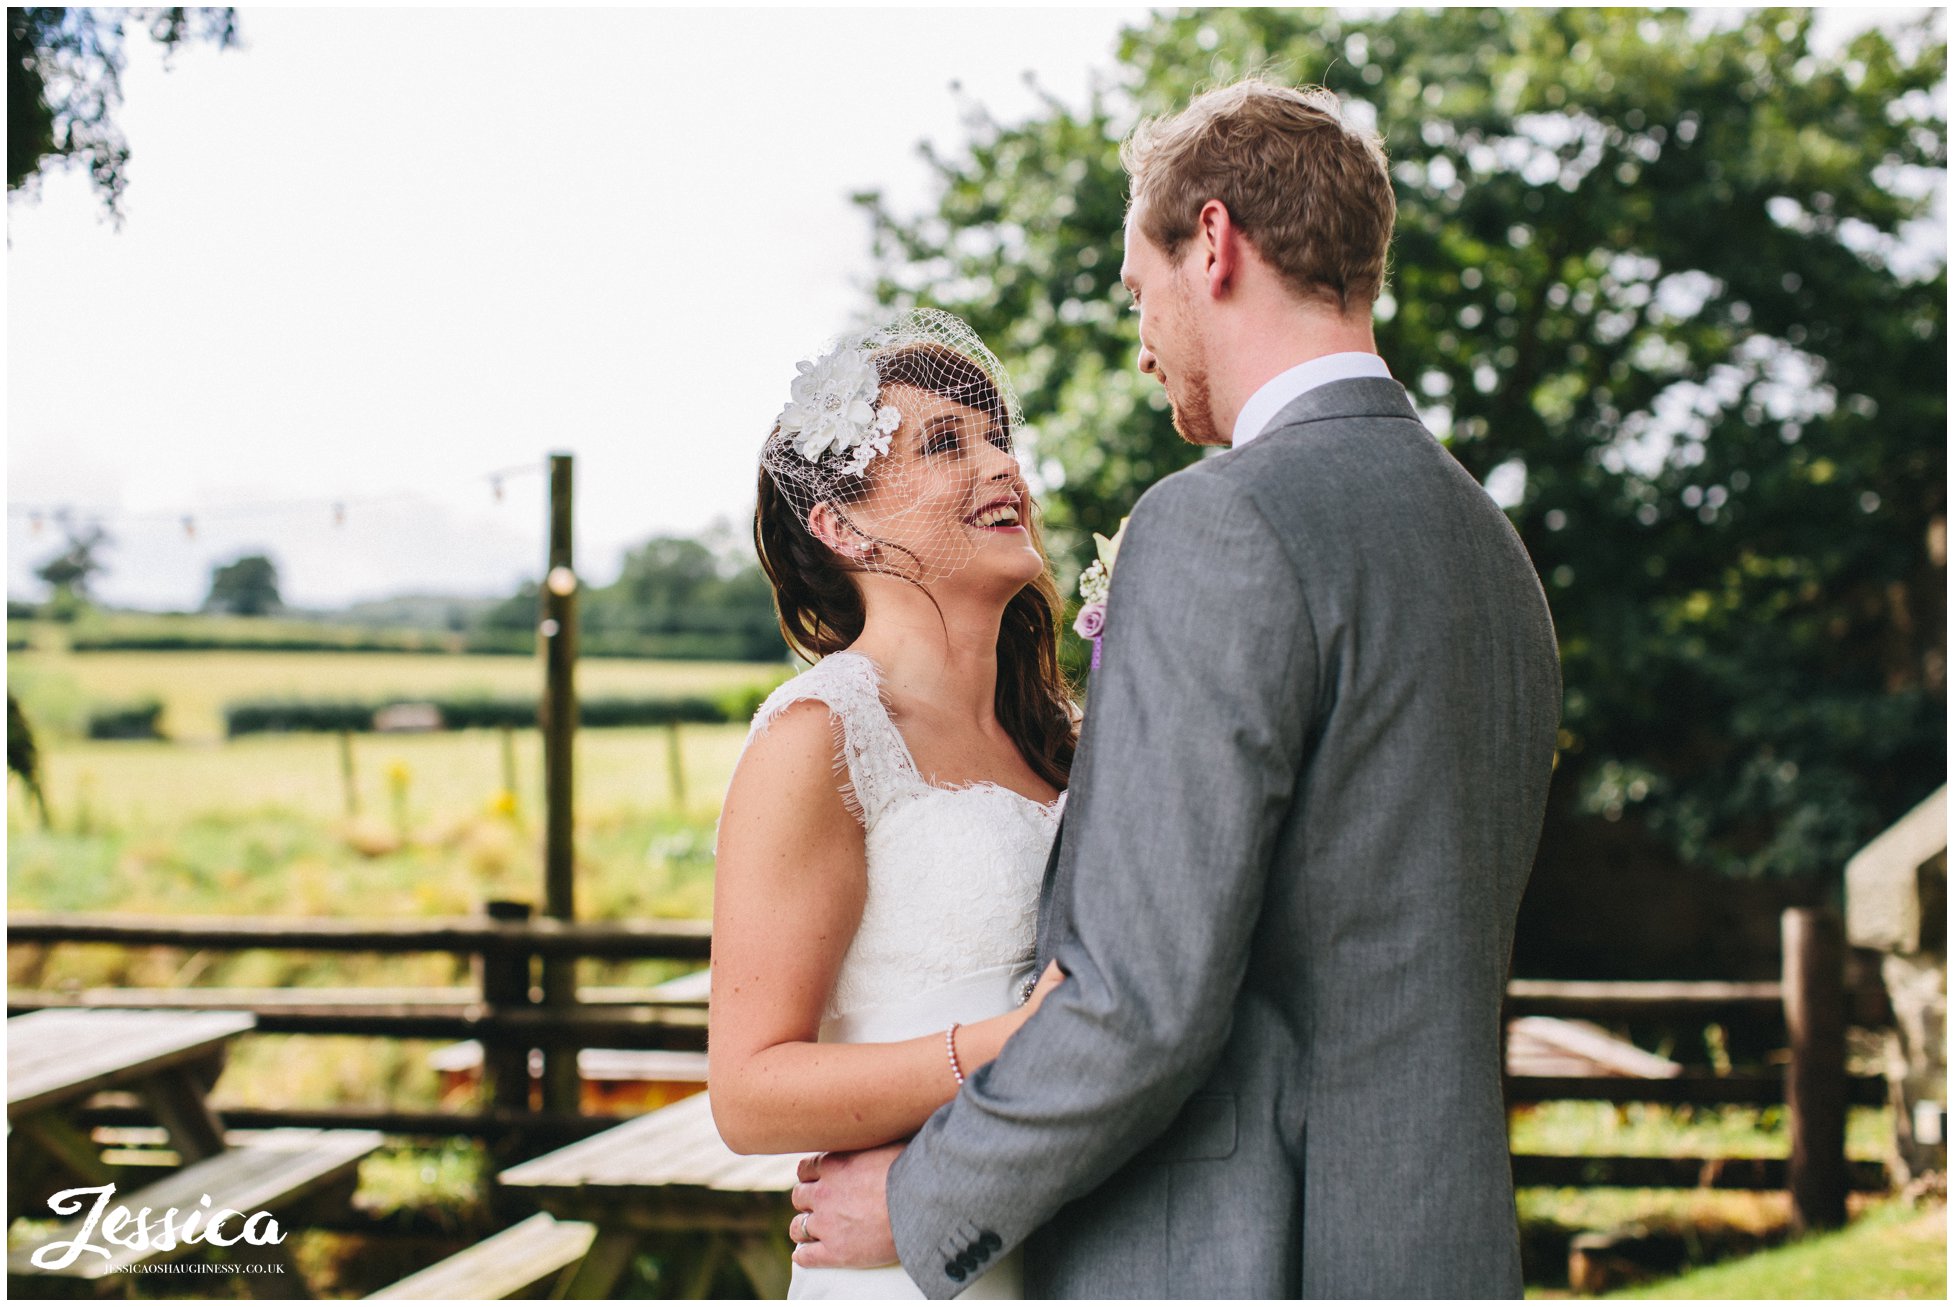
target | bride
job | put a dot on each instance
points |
(885, 831)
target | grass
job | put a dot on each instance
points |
(159, 788)
(56, 688)
(1893, 1251)
(1657, 1130)
(261, 825)
(1702, 1225)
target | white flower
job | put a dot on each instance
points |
(1109, 549)
(887, 419)
(867, 449)
(833, 408)
(1095, 584)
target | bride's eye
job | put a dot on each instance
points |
(945, 435)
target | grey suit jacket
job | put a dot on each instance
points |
(1303, 811)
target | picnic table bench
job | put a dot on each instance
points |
(511, 1264)
(667, 1172)
(58, 1058)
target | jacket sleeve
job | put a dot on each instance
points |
(1194, 735)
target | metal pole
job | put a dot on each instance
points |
(558, 718)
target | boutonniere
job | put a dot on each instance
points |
(1095, 585)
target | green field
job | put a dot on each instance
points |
(56, 689)
(268, 825)
(261, 824)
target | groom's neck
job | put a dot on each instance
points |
(1251, 345)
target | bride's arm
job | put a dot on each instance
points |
(787, 896)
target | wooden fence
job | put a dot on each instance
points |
(1815, 1006)
(502, 1011)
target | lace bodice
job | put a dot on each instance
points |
(953, 872)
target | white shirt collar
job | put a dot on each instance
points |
(1282, 389)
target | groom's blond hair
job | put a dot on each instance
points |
(1311, 192)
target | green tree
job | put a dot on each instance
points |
(709, 586)
(519, 612)
(247, 587)
(662, 583)
(676, 596)
(70, 575)
(1656, 283)
(64, 85)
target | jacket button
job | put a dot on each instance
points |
(990, 1241)
(954, 1271)
(966, 1260)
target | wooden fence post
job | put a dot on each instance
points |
(1815, 1083)
(509, 769)
(505, 985)
(675, 765)
(561, 1087)
(347, 782)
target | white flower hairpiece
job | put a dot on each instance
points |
(833, 408)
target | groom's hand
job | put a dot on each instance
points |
(845, 1199)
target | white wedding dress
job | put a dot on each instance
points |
(948, 926)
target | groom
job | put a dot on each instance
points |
(1303, 811)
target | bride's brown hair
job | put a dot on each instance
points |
(820, 605)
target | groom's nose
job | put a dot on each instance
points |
(1148, 364)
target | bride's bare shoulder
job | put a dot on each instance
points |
(794, 738)
(786, 831)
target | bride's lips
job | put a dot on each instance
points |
(1007, 501)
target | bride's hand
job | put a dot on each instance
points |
(1046, 984)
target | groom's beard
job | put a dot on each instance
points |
(1193, 409)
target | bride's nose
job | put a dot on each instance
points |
(1000, 464)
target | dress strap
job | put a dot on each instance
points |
(872, 764)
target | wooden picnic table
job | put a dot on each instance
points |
(668, 1172)
(56, 1058)
(59, 1058)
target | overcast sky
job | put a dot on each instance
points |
(375, 255)
(375, 252)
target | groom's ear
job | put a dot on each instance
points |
(1220, 248)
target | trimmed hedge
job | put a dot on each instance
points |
(127, 721)
(179, 641)
(690, 646)
(258, 716)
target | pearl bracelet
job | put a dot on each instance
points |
(950, 1046)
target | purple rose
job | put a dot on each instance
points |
(1091, 621)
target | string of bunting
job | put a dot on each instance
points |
(70, 517)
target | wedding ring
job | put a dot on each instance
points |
(803, 1236)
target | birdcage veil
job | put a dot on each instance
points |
(896, 447)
